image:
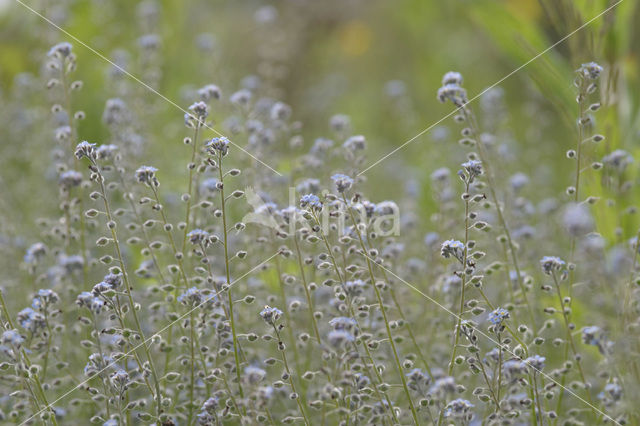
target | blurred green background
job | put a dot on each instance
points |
(326, 57)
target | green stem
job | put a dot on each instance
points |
(384, 313)
(494, 198)
(193, 159)
(306, 291)
(463, 278)
(352, 313)
(192, 369)
(128, 287)
(228, 276)
(576, 356)
(291, 381)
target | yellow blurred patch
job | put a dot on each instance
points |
(524, 8)
(12, 60)
(355, 38)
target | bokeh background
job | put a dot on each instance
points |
(380, 62)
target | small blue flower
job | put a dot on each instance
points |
(458, 408)
(498, 316)
(35, 252)
(551, 263)
(452, 77)
(452, 92)
(591, 335)
(342, 182)
(12, 337)
(536, 362)
(339, 338)
(311, 201)
(453, 248)
(60, 50)
(590, 70)
(146, 174)
(85, 149)
(218, 146)
(270, 315)
(198, 236)
(343, 323)
(473, 169)
(191, 297)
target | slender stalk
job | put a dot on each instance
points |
(565, 315)
(499, 380)
(312, 317)
(384, 313)
(101, 352)
(192, 166)
(537, 397)
(469, 118)
(23, 353)
(629, 290)
(282, 350)
(165, 222)
(147, 241)
(373, 367)
(46, 354)
(463, 278)
(495, 399)
(127, 284)
(407, 325)
(228, 276)
(72, 144)
(192, 369)
(581, 99)
(287, 314)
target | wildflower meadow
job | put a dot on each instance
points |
(344, 212)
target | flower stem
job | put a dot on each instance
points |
(384, 313)
(228, 276)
